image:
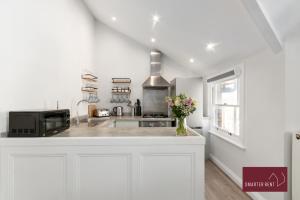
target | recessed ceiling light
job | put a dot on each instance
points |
(153, 40)
(192, 60)
(211, 46)
(155, 18)
(114, 19)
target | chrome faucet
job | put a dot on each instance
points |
(77, 112)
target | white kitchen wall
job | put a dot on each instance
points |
(292, 97)
(264, 119)
(292, 72)
(289, 61)
(45, 45)
(119, 56)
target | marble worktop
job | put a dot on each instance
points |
(103, 129)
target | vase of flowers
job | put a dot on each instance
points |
(181, 106)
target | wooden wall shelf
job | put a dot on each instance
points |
(120, 93)
(121, 80)
(90, 87)
(89, 77)
(89, 90)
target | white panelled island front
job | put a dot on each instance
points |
(101, 163)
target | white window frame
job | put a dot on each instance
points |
(238, 141)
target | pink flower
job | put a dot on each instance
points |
(188, 102)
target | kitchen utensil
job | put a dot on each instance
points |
(118, 111)
(137, 108)
(101, 113)
(91, 110)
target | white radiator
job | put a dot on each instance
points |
(296, 167)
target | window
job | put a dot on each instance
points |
(225, 108)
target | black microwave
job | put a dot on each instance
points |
(38, 123)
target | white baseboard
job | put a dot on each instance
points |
(235, 178)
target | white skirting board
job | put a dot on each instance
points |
(235, 178)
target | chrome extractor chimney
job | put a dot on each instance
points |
(155, 88)
(155, 79)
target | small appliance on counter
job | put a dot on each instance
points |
(38, 123)
(117, 111)
(101, 113)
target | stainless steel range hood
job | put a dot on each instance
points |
(155, 79)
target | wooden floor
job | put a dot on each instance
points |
(218, 186)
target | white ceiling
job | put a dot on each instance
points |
(284, 16)
(185, 27)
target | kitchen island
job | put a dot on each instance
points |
(92, 163)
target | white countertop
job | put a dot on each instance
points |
(105, 132)
(102, 130)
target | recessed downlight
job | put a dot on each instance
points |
(192, 60)
(114, 19)
(211, 46)
(155, 18)
(153, 40)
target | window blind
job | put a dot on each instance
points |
(221, 76)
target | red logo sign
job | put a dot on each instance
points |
(265, 179)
